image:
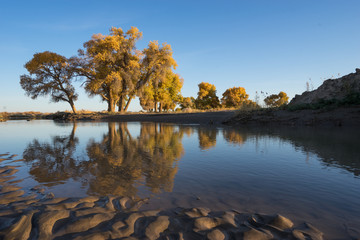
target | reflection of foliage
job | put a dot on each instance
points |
(114, 163)
(163, 148)
(52, 163)
(118, 162)
(207, 137)
(187, 130)
(234, 137)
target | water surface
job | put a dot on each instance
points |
(305, 174)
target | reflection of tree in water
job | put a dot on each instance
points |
(233, 136)
(117, 164)
(114, 163)
(162, 147)
(207, 137)
(186, 130)
(53, 163)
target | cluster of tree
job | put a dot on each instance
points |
(112, 68)
(235, 97)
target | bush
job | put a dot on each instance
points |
(4, 116)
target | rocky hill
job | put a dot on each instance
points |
(331, 89)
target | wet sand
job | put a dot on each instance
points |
(41, 215)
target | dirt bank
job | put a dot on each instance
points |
(212, 118)
(338, 117)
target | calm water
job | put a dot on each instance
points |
(304, 174)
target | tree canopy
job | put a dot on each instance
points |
(117, 71)
(111, 65)
(234, 97)
(276, 100)
(207, 98)
(50, 74)
(187, 102)
(162, 94)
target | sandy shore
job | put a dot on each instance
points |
(40, 215)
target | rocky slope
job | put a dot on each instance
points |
(331, 89)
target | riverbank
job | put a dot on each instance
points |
(211, 117)
(36, 214)
(325, 117)
(336, 117)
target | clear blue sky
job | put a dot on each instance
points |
(268, 46)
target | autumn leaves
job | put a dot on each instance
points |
(110, 66)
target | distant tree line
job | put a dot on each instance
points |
(111, 67)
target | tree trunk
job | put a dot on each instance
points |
(112, 134)
(128, 103)
(160, 107)
(111, 104)
(72, 135)
(72, 106)
(121, 104)
(155, 106)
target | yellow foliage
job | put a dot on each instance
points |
(207, 98)
(113, 64)
(165, 91)
(276, 100)
(50, 74)
(234, 97)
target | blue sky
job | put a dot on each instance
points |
(268, 45)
